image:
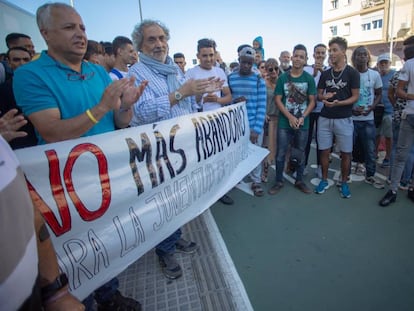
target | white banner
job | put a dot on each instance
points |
(110, 198)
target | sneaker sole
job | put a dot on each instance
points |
(170, 275)
(323, 191)
(344, 196)
(374, 184)
(193, 251)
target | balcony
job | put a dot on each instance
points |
(371, 3)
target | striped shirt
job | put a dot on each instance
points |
(253, 88)
(19, 261)
(154, 104)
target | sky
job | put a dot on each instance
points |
(230, 23)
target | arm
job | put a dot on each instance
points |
(224, 100)
(401, 93)
(310, 107)
(392, 95)
(123, 115)
(260, 108)
(10, 122)
(311, 101)
(49, 270)
(293, 121)
(349, 101)
(52, 128)
(377, 97)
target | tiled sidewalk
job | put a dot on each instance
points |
(209, 281)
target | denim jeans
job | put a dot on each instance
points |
(404, 145)
(364, 138)
(297, 139)
(256, 174)
(409, 164)
(313, 124)
(168, 245)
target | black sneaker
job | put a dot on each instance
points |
(170, 266)
(389, 197)
(410, 194)
(225, 199)
(186, 247)
(119, 303)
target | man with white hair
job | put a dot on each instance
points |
(168, 95)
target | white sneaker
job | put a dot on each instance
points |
(372, 180)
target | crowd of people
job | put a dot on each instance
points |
(352, 109)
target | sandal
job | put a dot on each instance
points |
(257, 190)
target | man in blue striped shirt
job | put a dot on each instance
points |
(249, 85)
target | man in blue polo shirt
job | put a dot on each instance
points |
(66, 98)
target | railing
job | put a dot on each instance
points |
(371, 3)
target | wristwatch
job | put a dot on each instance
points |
(51, 289)
(178, 96)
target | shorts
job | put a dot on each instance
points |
(385, 129)
(341, 129)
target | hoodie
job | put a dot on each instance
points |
(260, 49)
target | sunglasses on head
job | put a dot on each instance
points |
(273, 69)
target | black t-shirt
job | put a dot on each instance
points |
(342, 84)
(7, 103)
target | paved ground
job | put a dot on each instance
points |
(209, 282)
(321, 252)
(292, 252)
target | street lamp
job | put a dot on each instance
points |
(140, 10)
(392, 28)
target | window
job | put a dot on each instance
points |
(347, 29)
(334, 4)
(334, 30)
(366, 26)
(376, 24)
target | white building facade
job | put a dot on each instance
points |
(381, 25)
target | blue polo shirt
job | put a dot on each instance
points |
(46, 83)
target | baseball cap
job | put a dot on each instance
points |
(247, 52)
(383, 57)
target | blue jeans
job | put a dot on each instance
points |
(364, 139)
(298, 140)
(409, 164)
(168, 245)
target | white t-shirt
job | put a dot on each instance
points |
(114, 77)
(370, 81)
(407, 74)
(199, 73)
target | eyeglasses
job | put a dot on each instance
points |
(273, 69)
(19, 59)
(82, 77)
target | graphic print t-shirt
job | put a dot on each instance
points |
(295, 92)
(342, 84)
